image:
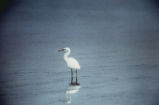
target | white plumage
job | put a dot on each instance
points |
(71, 62)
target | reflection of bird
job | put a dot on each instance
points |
(72, 89)
(72, 63)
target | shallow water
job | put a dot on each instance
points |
(116, 43)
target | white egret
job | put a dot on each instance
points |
(71, 62)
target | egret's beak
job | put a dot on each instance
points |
(61, 50)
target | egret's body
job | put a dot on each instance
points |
(71, 62)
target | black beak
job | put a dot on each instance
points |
(61, 50)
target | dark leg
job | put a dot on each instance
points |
(76, 79)
(71, 76)
(76, 76)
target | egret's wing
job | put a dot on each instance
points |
(73, 63)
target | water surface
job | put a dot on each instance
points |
(116, 43)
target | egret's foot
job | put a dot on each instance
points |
(77, 83)
(74, 83)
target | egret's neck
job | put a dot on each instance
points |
(66, 55)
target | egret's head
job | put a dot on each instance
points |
(65, 50)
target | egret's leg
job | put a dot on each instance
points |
(71, 76)
(76, 76)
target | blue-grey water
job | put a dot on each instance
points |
(115, 41)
